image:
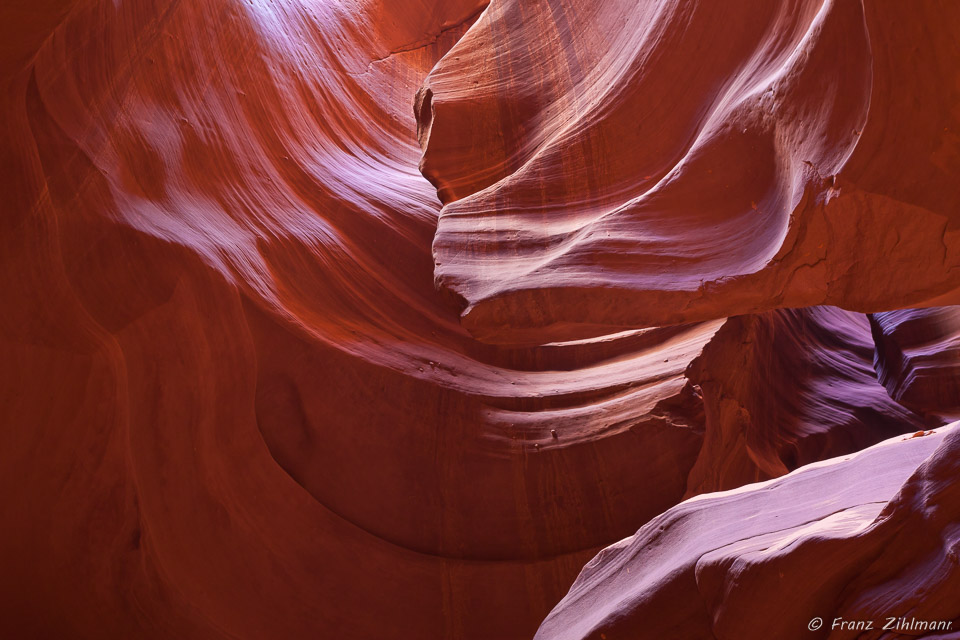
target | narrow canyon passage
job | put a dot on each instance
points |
(482, 320)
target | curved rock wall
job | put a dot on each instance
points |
(918, 358)
(863, 538)
(235, 403)
(613, 166)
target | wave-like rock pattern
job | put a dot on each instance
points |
(918, 359)
(786, 388)
(608, 165)
(865, 537)
(265, 421)
(235, 405)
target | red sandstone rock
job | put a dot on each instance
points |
(261, 407)
(859, 538)
(786, 388)
(609, 166)
(234, 403)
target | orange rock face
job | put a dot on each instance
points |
(787, 388)
(374, 319)
(689, 160)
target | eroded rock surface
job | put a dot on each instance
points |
(786, 388)
(235, 404)
(918, 359)
(866, 537)
(609, 165)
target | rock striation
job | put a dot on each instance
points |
(859, 538)
(918, 359)
(610, 166)
(237, 404)
(786, 388)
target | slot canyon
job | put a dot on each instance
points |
(480, 319)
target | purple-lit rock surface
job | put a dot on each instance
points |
(918, 358)
(865, 537)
